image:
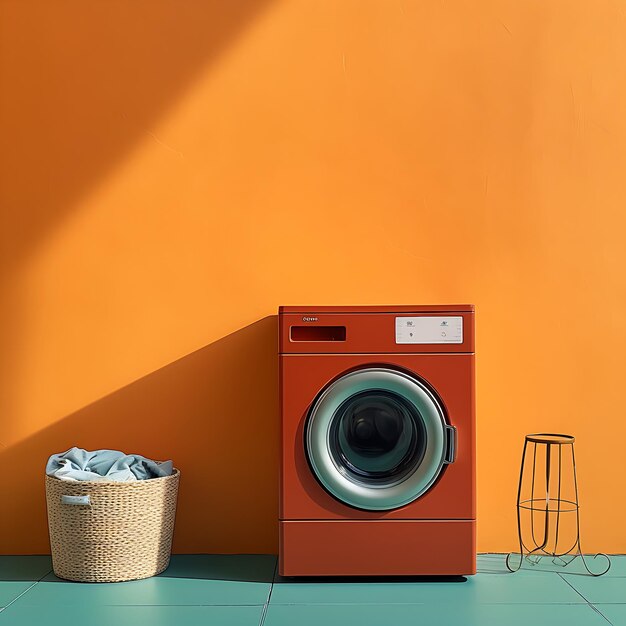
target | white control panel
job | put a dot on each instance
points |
(429, 329)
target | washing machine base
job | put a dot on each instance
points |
(377, 548)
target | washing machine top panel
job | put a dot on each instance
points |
(401, 308)
(377, 330)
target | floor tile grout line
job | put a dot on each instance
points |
(355, 603)
(45, 575)
(600, 613)
(253, 604)
(572, 586)
(455, 603)
(121, 606)
(21, 594)
(584, 574)
(234, 606)
(269, 595)
(26, 590)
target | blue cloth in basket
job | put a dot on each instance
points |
(105, 465)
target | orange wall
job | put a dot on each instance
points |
(173, 170)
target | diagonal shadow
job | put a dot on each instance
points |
(214, 412)
(253, 568)
(83, 81)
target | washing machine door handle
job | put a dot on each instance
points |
(450, 455)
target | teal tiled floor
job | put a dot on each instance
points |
(108, 615)
(245, 591)
(432, 615)
(200, 580)
(483, 589)
(19, 573)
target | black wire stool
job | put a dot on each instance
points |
(543, 537)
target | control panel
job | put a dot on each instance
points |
(429, 329)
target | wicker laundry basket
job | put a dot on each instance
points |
(111, 531)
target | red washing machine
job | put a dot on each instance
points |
(378, 441)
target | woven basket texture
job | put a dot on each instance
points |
(125, 533)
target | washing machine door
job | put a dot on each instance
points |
(377, 439)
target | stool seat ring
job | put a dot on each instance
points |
(550, 438)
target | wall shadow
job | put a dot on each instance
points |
(83, 81)
(214, 412)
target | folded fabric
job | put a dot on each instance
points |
(105, 465)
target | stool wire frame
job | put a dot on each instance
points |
(548, 506)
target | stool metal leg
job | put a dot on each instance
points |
(580, 552)
(519, 520)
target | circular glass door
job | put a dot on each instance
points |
(376, 439)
